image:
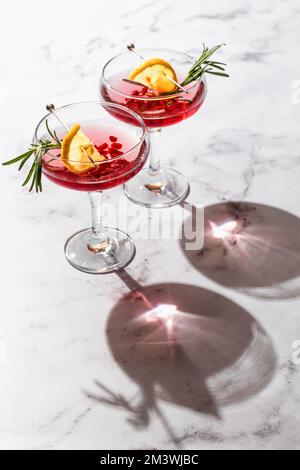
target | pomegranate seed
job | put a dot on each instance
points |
(117, 146)
(102, 146)
(115, 153)
(112, 138)
(135, 93)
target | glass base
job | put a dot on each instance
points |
(165, 188)
(113, 256)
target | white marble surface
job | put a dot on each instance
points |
(244, 145)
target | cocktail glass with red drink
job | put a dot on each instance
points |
(121, 137)
(155, 186)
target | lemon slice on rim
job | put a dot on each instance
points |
(155, 74)
(78, 152)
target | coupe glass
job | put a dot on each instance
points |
(99, 249)
(155, 186)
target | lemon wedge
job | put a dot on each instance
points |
(78, 152)
(155, 73)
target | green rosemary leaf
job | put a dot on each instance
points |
(56, 137)
(212, 64)
(24, 161)
(37, 178)
(220, 74)
(40, 181)
(219, 63)
(33, 180)
(27, 179)
(210, 52)
(52, 133)
(20, 157)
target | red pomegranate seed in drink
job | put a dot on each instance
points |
(102, 146)
(112, 138)
(115, 152)
(116, 145)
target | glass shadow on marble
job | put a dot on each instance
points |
(208, 354)
(260, 259)
(97, 249)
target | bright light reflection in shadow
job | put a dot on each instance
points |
(226, 231)
(165, 314)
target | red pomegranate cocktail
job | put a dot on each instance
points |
(155, 186)
(104, 146)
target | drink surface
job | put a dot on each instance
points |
(156, 111)
(115, 170)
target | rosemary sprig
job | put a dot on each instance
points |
(205, 65)
(34, 176)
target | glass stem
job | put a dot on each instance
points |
(99, 239)
(154, 166)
